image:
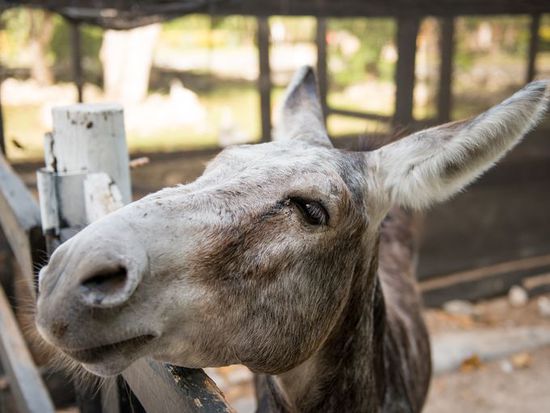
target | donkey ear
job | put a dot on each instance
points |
(301, 116)
(432, 165)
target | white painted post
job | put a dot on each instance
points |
(87, 170)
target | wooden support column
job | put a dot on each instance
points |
(76, 50)
(407, 30)
(2, 138)
(264, 79)
(534, 42)
(446, 51)
(322, 72)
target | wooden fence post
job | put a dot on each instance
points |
(446, 49)
(322, 71)
(264, 77)
(534, 41)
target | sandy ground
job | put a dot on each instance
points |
(489, 389)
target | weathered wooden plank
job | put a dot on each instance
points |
(20, 220)
(170, 389)
(407, 31)
(26, 383)
(264, 79)
(534, 41)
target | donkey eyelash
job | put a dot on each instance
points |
(313, 211)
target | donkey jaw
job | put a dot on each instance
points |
(112, 358)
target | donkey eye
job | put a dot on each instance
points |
(313, 212)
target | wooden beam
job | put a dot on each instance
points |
(20, 221)
(26, 383)
(264, 79)
(407, 31)
(534, 41)
(322, 71)
(170, 389)
(446, 51)
(482, 283)
(76, 58)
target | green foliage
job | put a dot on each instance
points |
(14, 35)
(373, 35)
(91, 38)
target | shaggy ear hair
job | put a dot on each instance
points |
(434, 164)
(301, 116)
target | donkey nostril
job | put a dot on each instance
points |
(105, 284)
(107, 281)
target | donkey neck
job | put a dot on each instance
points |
(347, 373)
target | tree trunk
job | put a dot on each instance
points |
(40, 36)
(127, 58)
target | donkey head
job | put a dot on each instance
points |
(254, 262)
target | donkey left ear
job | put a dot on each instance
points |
(301, 116)
(432, 165)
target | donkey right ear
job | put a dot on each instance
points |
(434, 164)
(301, 116)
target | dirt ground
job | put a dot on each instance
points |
(493, 387)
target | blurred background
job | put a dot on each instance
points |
(193, 83)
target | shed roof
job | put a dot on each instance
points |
(123, 14)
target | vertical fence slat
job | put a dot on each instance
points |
(264, 78)
(534, 41)
(446, 51)
(322, 72)
(407, 31)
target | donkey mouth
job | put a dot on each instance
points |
(92, 355)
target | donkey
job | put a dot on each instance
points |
(291, 257)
